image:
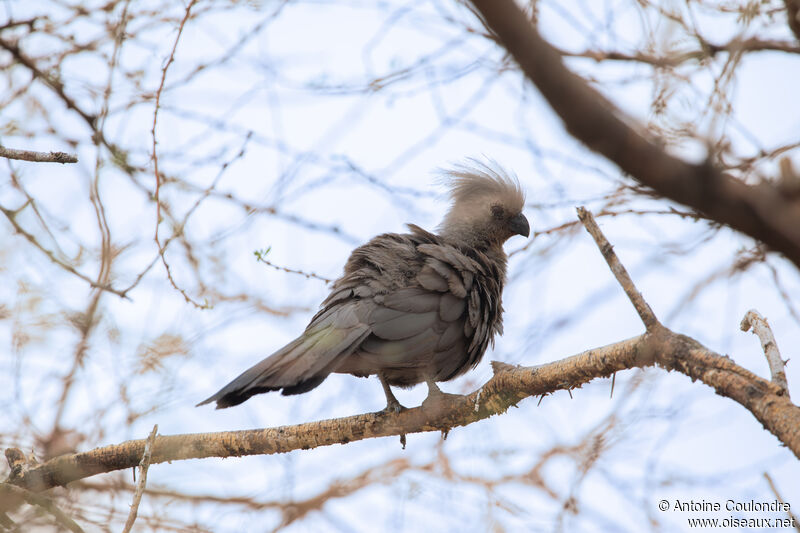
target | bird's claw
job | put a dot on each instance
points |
(394, 407)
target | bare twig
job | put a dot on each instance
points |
(13, 492)
(624, 279)
(49, 80)
(261, 257)
(156, 195)
(753, 319)
(38, 157)
(671, 60)
(144, 464)
(15, 23)
(11, 216)
(777, 494)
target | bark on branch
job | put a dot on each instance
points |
(38, 157)
(510, 385)
(761, 211)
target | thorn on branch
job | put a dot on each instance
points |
(760, 326)
(624, 279)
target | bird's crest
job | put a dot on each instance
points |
(478, 180)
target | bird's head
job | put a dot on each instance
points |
(486, 207)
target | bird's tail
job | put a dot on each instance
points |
(296, 368)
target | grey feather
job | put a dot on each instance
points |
(391, 324)
(430, 279)
(412, 300)
(411, 307)
(451, 307)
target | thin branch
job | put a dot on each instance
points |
(753, 319)
(53, 82)
(677, 58)
(11, 216)
(787, 505)
(624, 279)
(144, 465)
(38, 157)
(261, 257)
(761, 211)
(156, 195)
(13, 492)
(15, 23)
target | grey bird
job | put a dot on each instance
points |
(410, 308)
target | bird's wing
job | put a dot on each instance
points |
(434, 327)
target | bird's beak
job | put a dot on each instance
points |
(519, 225)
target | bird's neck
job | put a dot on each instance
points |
(466, 239)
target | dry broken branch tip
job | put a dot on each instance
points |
(753, 320)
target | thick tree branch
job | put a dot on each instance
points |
(38, 157)
(510, 385)
(760, 211)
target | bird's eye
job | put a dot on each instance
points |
(497, 212)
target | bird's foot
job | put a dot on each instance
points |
(394, 407)
(437, 398)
